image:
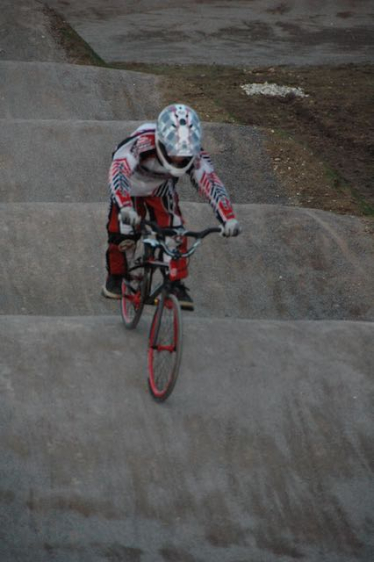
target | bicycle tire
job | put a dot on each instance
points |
(134, 292)
(164, 355)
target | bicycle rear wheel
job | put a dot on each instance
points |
(134, 292)
(164, 348)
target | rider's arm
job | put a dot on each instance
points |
(122, 167)
(208, 185)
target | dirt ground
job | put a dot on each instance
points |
(321, 146)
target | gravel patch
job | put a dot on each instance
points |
(267, 89)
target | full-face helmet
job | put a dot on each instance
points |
(178, 138)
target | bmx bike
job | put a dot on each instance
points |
(165, 338)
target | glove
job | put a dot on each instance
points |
(231, 228)
(128, 215)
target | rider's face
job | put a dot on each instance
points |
(179, 161)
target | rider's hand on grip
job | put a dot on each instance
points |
(128, 215)
(231, 228)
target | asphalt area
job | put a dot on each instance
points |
(321, 145)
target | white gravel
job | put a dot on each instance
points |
(267, 89)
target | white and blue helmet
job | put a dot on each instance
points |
(178, 138)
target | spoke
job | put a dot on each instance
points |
(164, 349)
(131, 302)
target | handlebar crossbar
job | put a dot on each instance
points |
(177, 231)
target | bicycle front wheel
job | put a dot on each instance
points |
(134, 293)
(164, 348)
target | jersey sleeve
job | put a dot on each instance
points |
(209, 186)
(125, 161)
(120, 172)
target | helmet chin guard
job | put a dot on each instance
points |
(178, 138)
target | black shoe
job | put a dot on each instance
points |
(113, 287)
(180, 291)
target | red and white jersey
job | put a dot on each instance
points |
(137, 172)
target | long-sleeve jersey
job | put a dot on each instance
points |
(136, 171)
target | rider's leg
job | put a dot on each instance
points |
(121, 247)
(166, 212)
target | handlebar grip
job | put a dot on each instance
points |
(203, 233)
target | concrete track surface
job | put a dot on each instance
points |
(288, 264)
(232, 32)
(49, 91)
(237, 151)
(24, 33)
(264, 452)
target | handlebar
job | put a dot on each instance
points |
(176, 231)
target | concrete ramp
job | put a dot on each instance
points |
(262, 453)
(288, 264)
(77, 154)
(63, 91)
(235, 32)
(25, 33)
